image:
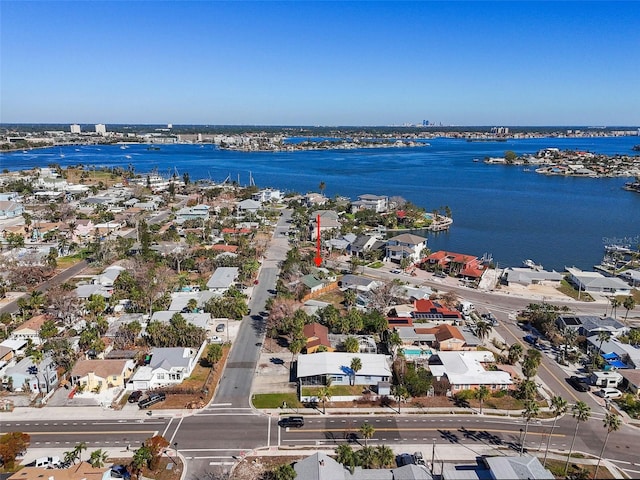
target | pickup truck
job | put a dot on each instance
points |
(152, 399)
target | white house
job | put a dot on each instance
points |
(167, 366)
(43, 380)
(377, 203)
(267, 195)
(222, 279)
(464, 370)
(597, 283)
(405, 245)
(10, 209)
(197, 212)
(248, 206)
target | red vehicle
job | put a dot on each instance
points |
(255, 282)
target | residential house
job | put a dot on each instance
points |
(81, 471)
(364, 243)
(222, 278)
(366, 343)
(524, 467)
(314, 370)
(99, 375)
(268, 195)
(312, 283)
(329, 221)
(43, 380)
(632, 277)
(405, 245)
(109, 276)
(248, 206)
(631, 380)
(315, 199)
(377, 203)
(180, 300)
(197, 212)
(201, 320)
(465, 371)
(166, 367)
(588, 325)
(341, 243)
(462, 265)
(528, 276)
(316, 335)
(10, 209)
(597, 283)
(146, 206)
(9, 197)
(615, 353)
(358, 283)
(321, 466)
(30, 330)
(12, 348)
(425, 309)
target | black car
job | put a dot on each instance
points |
(152, 400)
(578, 383)
(120, 471)
(135, 396)
(291, 422)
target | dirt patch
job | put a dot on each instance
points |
(253, 468)
(168, 468)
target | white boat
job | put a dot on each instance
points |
(532, 265)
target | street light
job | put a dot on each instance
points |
(521, 444)
(175, 445)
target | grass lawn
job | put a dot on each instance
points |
(275, 400)
(557, 468)
(568, 289)
(336, 390)
(375, 265)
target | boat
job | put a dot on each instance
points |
(127, 156)
(632, 186)
(123, 147)
(615, 248)
(476, 160)
(153, 148)
(532, 265)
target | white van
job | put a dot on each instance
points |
(609, 393)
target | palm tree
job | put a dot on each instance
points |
(629, 304)
(515, 353)
(531, 363)
(324, 395)
(570, 335)
(482, 330)
(36, 358)
(367, 431)
(321, 187)
(482, 394)
(77, 450)
(615, 303)
(283, 472)
(351, 344)
(581, 412)
(356, 366)
(603, 336)
(531, 410)
(98, 458)
(612, 423)
(394, 342)
(345, 454)
(401, 393)
(366, 457)
(385, 457)
(559, 407)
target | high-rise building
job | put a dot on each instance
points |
(101, 129)
(75, 128)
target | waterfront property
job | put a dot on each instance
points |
(597, 283)
(528, 276)
(405, 246)
(457, 264)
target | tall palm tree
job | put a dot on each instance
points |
(603, 336)
(351, 344)
(531, 410)
(366, 457)
(615, 303)
(367, 431)
(356, 366)
(482, 394)
(78, 449)
(559, 407)
(581, 412)
(98, 458)
(612, 423)
(629, 304)
(324, 395)
(400, 393)
(570, 335)
(482, 330)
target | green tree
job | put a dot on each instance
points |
(141, 457)
(629, 304)
(367, 431)
(612, 423)
(356, 366)
(324, 395)
(351, 345)
(615, 303)
(282, 472)
(559, 407)
(98, 458)
(481, 394)
(350, 298)
(510, 156)
(345, 455)
(515, 353)
(531, 362)
(581, 412)
(214, 354)
(483, 329)
(48, 329)
(531, 411)
(385, 457)
(366, 457)
(400, 393)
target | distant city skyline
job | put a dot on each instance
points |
(320, 63)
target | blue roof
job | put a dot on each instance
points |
(617, 364)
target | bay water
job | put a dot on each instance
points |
(508, 211)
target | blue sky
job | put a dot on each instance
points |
(320, 63)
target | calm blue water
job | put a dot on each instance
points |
(502, 210)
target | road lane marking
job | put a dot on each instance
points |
(176, 430)
(111, 432)
(421, 429)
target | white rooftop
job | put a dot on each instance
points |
(333, 362)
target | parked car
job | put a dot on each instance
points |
(152, 400)
(135, 396)
(418, 459)
(46, 462)
(216, 339)
(220, 327)
(609, 393)
(404, 459)
(440, 274)
(396, 271)
(578, 383)
(120, 471)
(296, 422)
